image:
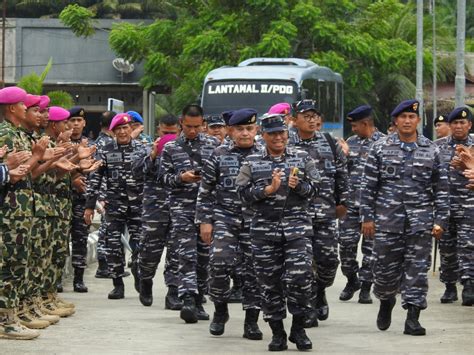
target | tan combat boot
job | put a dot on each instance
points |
(35, 309)
(28, 320)
(59, 305)
(10, 329)
(50, 307)
(63, 303)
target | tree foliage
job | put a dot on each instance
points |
(33, 84)
(371, 43)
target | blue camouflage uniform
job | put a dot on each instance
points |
(123, 196)
(102, 140)
(193, 252)
(457, 243)
(219, 204)
(405, 192)
(156, 220)
(349, 228)
(4, 176)
(281, 229)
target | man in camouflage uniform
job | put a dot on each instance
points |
(79, 229)
(17, 210)
(225, 225)
(156, 221)
(456, 244)
(404, 202)
(180, 170)
(104, 138)
(349, 232)
(60, 222)
(279, 183)
(123, 198)
(329, 205)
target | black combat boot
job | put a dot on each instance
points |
(102, 270)
(188, 311)
(322, 307)
(78, 282)
(119, 289)
(251, 329)
(352, 286)
(136, 276)
(201, 313)
(146, 293)
(298, 334)
(450, 294)
(364, 294)
(172, 300)
(468, 293)
(59, 287)
(384, 317)
(221, 316)
(279, 342)
(412, 325)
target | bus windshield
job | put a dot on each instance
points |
(220, 96)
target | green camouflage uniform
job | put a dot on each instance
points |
(16, 213)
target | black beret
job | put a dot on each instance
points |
(359, 113)
(243, 116)
(460, 113)
(406, 106)
(77, 111)
(226, 115)
(440, 118)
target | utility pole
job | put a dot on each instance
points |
(435, 98)
(460, 80)
(419, 60)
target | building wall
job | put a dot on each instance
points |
(75, 59)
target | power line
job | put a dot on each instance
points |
(64, 63)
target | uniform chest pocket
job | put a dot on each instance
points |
(422, 170)
(390, 169)
(261, 172)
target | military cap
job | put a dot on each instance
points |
(460, 113)
(32, 100)
(136, 117)
(12, 95)
(77, 111)
(215, 120)
(273, 123)
(44, 102)
(226, 115)
(283, 108)
(305, 105)
(243, 116)
(57, 114)
(406, 106)
(440, 118)
(119, 120)
(359, 113)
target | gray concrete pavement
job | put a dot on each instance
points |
(102, 326)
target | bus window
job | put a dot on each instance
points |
(310, 89)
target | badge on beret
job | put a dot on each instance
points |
(464, 114)
(415, 106)
(125, 118)
(253, 119)
(440, 118)
(81, 113)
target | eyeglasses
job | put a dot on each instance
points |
(314, 116)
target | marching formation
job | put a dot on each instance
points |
(270, 204)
